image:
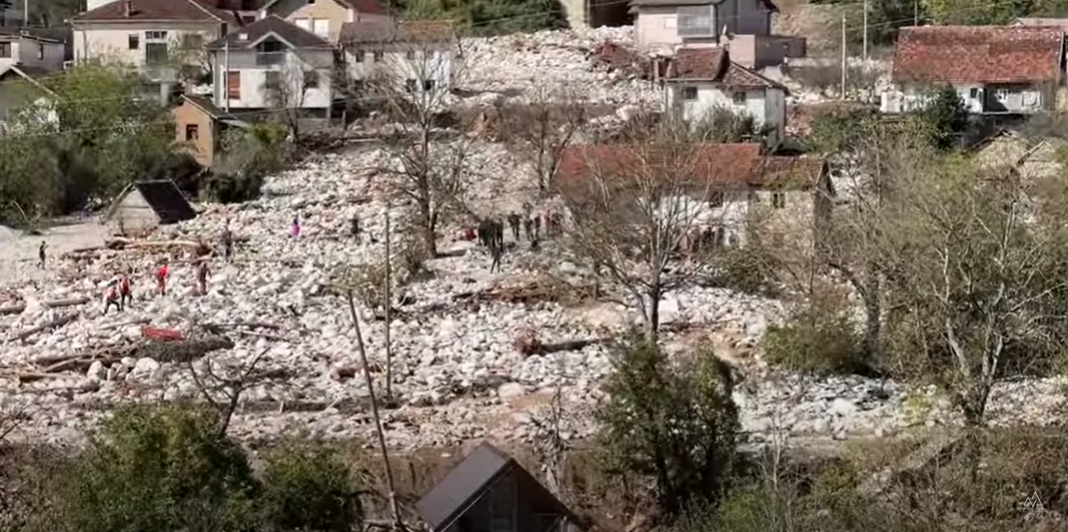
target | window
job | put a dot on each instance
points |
(695, 21)
(410, 85)
(155, 53)
(192, 132)
(321, 27)
(689, 93)
(134, 41)
(973, 93)
(233, 85)
(155, 36)
(410, 54)
(248, 19)
(778, 200)
(428, 85)
(270, 52)
(311, 79)
(272, 79)
(739, 98)
(40, 51)
(5, 49)
(379, 55)
(359, 56)
(716, 199)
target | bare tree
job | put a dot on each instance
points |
(413, 82)
(540, 130)
(287, 88)
(222, 390)
(637, 213)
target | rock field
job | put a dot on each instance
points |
(457, 375)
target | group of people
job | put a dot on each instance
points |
(118, 289)
(490, 231)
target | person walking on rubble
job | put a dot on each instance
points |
(496, 251)
(513, 224)
(227, 242)
(124, 290)
(294, 228)
(41, 254)
(203, 273)
(355, 226)
(161, 279)
(111, 296)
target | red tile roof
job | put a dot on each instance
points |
(714, 65)
(157, 10)
(722, 164)
(978, 54)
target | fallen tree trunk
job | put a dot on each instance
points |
(56, 323)
(12, 309)
(570, 345)
(66, 302)
(131, 243)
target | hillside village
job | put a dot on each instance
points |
(865, 244)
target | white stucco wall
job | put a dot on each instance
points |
(424, 64)
(1014, 99)
(41, 54)
(109, 42)
(254, 95)
(766, 106)
(655, 27)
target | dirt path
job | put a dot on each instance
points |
(18, 261)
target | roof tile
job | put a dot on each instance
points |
(714, 65)
(285, 30)
(978, 54)
(163, 10)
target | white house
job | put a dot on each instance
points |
(326, 18)
(273, 64)
(702, 80)
(417, 56)
(996, 70)
(22, 48)
(24, 100)
(146, 33)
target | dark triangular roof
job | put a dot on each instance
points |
(287, 32)
(163, 197)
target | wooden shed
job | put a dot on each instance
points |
(145, 205)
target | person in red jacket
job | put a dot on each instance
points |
(161, 279)
(111, 296)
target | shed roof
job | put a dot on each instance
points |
(978, 54)
(207, 106)
(462, 485)
(290, 33)
(162, 196)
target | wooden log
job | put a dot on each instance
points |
(66, 302)
(56, 323)
(12, 309)
(129, 243)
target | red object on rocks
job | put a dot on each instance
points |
(155, 333)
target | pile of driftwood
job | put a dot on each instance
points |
(159, 350)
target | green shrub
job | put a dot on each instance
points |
(160, 469)
(749, 269)
(817, 339)
(308, 486)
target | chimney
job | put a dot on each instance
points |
(127, 8)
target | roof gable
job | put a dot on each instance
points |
(462, 484)
(370, 7)
(713, 65)
(292, 35)
(978, 54)
(156, 10)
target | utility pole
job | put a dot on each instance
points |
(915, 12)
(865, 30)
(389, 304)
(25, 13)
(226, 72)
(844, 64)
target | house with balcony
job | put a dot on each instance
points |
(739, 186)
(996, 70)
(30, 51)
(701, 81)
(273, 64)
(326, 18)
(743, 25)
(157, 37)
(415, 57)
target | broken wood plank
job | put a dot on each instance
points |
(54, 324)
